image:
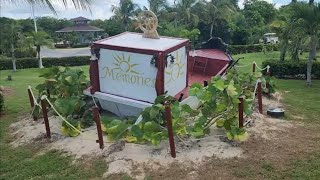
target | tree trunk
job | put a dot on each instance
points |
(283, 50)
(211, 30)
(14, 67)
(296, 49)
(40, 58)
(312, 56)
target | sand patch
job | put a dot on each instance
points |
(136, 159)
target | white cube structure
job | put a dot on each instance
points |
(130, 71)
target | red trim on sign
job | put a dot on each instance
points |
(160, 75)
(173, 48)
(94, 76)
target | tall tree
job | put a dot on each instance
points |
(10, 39)
(125, 11)
(157, 6)
(39, 39)
(307, 16)
(185, 14)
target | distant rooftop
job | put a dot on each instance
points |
(80, 18)
(80, 25)
(80, 28)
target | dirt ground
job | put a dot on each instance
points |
(271, 144)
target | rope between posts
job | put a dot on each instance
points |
(54, 109)
(255, 89)
(261, 69)
(34, 101)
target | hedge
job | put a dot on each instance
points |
(24, 63)
(240, 49)
(292, 70)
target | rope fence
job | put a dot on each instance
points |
(254, 66)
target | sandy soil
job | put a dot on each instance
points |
(194, 156)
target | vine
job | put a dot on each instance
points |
(219, 106)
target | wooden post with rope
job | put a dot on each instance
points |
(170, 130)
(260, 97)
(45, 116)
(240, 110)
(96, 118)
(31, 99)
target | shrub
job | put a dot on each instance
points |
(292, 70)
(25, 53)
(80, 45)
(24, 63)
(61, 45)
(240, 49)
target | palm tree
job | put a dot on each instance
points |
(157, 6)
(39, 39)
(125, 11)
(185, 14)
(11, 39)
(307, 16)
(219, 10)
(78, 4)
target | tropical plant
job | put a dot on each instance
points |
(64, 88)
(307, 16)
(157, 6)
(185, 14)
(11, 40)
(125, 11)
(78, 4)
(39, 39)
(219, 106)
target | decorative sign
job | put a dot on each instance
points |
(127, 74)
(176, 72)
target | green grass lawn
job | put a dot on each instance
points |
(26, 162)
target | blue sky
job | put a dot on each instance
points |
(101, 9)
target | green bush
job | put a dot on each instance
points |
(61, 45)
(292, 70)
(25, 53)
(80, 45)
(240, 49)
(24, 63)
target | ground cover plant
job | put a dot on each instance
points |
(219, 105)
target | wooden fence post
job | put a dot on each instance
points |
(30, 98)
(240, 109)
(170, 131)
(254, 67)
(45, 116)
(96, 118)
(260, 97)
